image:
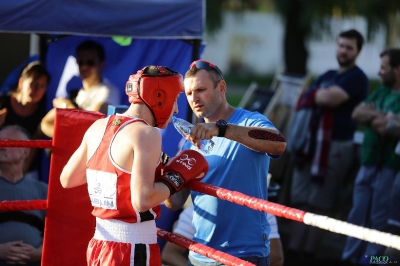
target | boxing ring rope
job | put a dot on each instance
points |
(227, 259)
(26, 205)
(16, 205)
(323, 222)
(44, 144)
(320, 221)
(316, 220)
(201, 249)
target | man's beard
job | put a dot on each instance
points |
(346, 63)
(389, 81)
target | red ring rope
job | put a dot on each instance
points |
(18, 205)
(44, 144)
(323, 222)
(248, 201)
(202, 249)
(315, 220)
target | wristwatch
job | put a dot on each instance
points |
(222, 126)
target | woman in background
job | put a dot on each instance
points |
(25, 106)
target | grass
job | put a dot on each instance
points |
(238, 80)
(244, 81)
(234, 100)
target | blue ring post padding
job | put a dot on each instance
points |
(113, 109)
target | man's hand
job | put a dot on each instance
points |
(6, 248)
(379, 122)
(365, 113)
(202, 131)
(14, 253)
(331, 97)
(62, 103)
(186, 166)
(19, 253)
(393, 125)
(34, 254)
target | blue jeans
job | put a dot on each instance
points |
(371, 206)
(253, 259)
(394, 215)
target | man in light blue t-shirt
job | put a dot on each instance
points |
(239, 161)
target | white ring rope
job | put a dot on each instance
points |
(340, 227)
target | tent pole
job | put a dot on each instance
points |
(196, 43)
(33, 44)
(196, 49)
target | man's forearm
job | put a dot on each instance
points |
(364, 115)
(392, 128)
(37, 254)
(174, 255)
(176, 201)
(258, 138)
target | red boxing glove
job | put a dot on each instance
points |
(182, 169)
(164, 158)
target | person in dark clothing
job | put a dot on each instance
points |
(326, 155)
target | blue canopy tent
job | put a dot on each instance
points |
(155, 19)
(160, 32)
(153, 32)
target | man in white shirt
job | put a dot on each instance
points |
(95, 95)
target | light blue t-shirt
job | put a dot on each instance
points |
(222, 225)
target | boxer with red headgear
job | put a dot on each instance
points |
(118, 157)
(157, 88)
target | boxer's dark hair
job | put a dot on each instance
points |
(92, 46)
(394, 56)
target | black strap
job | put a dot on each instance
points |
(140, 257)
(146, 216)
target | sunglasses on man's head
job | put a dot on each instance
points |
(89, 62)
(201, 64)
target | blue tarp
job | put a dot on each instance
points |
(121, 61)
(157, 19)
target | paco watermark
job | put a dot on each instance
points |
(368, 260)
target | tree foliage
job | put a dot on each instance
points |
(313, 12)
(306, 18)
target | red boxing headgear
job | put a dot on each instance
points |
(157, 87)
